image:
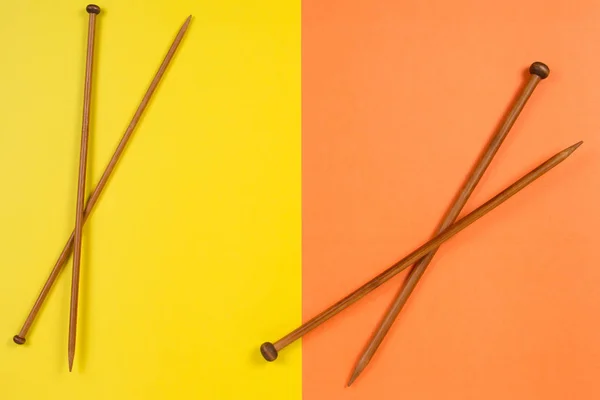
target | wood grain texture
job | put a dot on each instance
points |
(417, 254)
(538, 72)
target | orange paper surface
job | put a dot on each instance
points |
(399, 100)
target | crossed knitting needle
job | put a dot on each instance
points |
(448, 228)
(93, 10)
(82, 214)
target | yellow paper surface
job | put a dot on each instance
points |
(198, 229)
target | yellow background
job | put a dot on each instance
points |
(198, 229)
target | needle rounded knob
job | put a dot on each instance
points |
(18, 339)
(268, 351)
(540, 69)
(92, 9)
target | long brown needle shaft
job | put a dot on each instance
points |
(92, 10)
(270, 350)
(538, 71)
(62, 259)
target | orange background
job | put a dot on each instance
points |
(399, 99)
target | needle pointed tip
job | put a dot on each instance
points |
(186, 24)
(355, 375)
(572, 148)
(71, 359)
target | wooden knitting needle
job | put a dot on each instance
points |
(92, 10)
(538, 72)
(270, 350)
(62, 259)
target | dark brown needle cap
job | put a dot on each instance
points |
(268, 351)
(18, 339)
(540, 69)
(92, 9)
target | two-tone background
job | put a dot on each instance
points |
(293, 151)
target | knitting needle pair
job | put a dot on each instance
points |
(82, 213)
(448, 228)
